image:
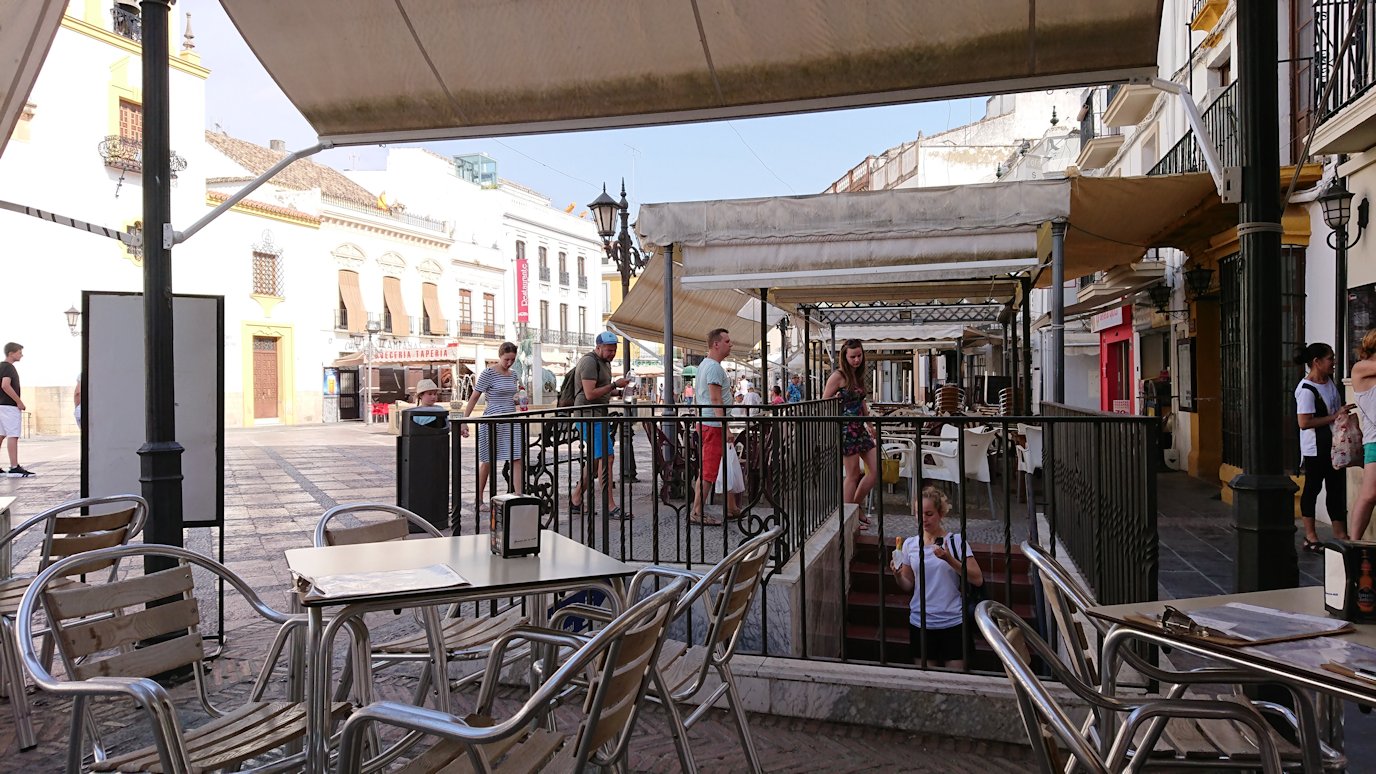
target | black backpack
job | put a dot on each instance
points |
(568, 389)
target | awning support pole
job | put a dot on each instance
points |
(1263, 495)
(160, 457)
(242, 193)
(807, 357)
(1058, 311)
(764, 337)
(834, 364)
(1025, 283)
(667, 356)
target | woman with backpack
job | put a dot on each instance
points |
(1318, 404)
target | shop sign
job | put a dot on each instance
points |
(522, 290)
(1107, 319)
(415, 355)
(1122, 406)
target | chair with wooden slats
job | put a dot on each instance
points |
(441, 637)
(950, 399)
(70, 528)
(618, 663)
(1059, 745)
(725, 593)
(112, 638)
(1190, 742)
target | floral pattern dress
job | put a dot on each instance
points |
(856, 438)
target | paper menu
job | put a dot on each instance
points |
(360, 584)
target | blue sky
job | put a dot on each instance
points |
(779, 156)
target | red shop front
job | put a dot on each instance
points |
(1116, 378)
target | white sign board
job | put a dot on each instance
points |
(112, 399)
(1107, 319)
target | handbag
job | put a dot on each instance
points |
(1347, 442)
(889, 468)
(973, 594)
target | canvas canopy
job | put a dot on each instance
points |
(641, 313)
(26, 34)
(361, 71)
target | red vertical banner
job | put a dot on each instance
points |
(522, 290)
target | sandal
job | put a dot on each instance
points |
(1313, 547)
(734, 515)
(694, 518)
(618, 514)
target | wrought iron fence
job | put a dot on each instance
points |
(1352, 74)
(127, 23)
(831, 592)
(394, 212)
(1220, 120)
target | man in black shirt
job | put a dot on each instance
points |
(12, 407)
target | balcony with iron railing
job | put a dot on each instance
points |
(1220, 121)
(524, 332)
(1099, 142)
(127, 23)
(549, 336)
(544, 274)
(393, 213)
(564, 278)
(1351, 75)
(341, 319)
(492, 330)
(583, 282)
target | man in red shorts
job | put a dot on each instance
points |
(713, 390)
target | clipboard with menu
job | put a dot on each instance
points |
(1242, 624)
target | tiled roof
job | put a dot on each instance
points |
(271, 209)
(303, 175)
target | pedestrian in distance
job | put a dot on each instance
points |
(498, 382)
(427, 393)
(1364, 385)
(938, 558)
(12, 407)
(795, 389)
(858, 438)
(776, 398)
(593, 390)
(1318, 405)
(714, 389)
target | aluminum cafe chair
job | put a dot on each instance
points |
(617, 664)
(69, 528)
(1050, 729)
(442, 637)
(724, 594)
(101, 659)
(1205, 743)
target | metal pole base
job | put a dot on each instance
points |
(1264, 516)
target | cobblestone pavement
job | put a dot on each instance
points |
(277, 483)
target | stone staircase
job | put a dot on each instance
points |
(1006, 580)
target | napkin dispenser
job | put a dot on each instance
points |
(1349, 579)
(515, 527)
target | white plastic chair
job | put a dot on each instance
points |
(1030, 455)
(942, 463)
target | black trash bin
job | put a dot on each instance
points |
(423, 464)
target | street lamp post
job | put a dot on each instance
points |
(785, 325)
(1337, 213)
(372, 327)
(628, 260)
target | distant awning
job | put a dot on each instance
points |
(907, 334)
(361, 71)
(641, 313)
(26, 34)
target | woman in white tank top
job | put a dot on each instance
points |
(1364, 385)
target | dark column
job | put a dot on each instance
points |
(1057, 343)
(1263, 496)
(807, 356)
(668, 356)
(1341, 346)
(1025, 283)
(160, 457)
(764, 338)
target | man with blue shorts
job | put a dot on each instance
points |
(594, 388)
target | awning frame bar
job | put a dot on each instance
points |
(250, 187)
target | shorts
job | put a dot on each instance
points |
(711, 452)
(9, 421)
(1368, 453)
(599, 434)
(942, 644)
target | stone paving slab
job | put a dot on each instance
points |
(279, 480)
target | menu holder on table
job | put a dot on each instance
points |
(354, 584)
(1238, 623)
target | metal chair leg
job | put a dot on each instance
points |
(676, 727)
(13, 676)
(733, 698)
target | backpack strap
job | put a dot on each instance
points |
(1319, 401)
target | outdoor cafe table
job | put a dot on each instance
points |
(562, 565)
(1135, 620)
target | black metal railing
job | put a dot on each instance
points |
(341, 319)
(1220, 120)
(1353, 73)
(1090, 490)
(549, 336)
(564, 278)
(1101, 498)
(544, 274)
(127, 23)
(492, 331)
(582, 282)
(394, 212)
(524, 332)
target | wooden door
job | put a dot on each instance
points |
(264, 377)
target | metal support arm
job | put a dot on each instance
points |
(242, 193)
(1226, 181)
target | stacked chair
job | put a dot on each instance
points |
(68, 529)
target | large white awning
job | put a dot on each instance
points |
(362, 71)
(27, 29)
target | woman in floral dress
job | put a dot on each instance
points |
(857, 441)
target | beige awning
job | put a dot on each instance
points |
(26, 34)
(430, 297)
(362, 71)
(696, 312)
(391, 296)
(356, 314)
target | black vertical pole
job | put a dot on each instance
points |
(1025, 286)
(160, 456)
(1057, 344)
(1263, 496)
(764, 337)
(1341, 346)
(668, 356)
(623, 238)
(807, 357)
